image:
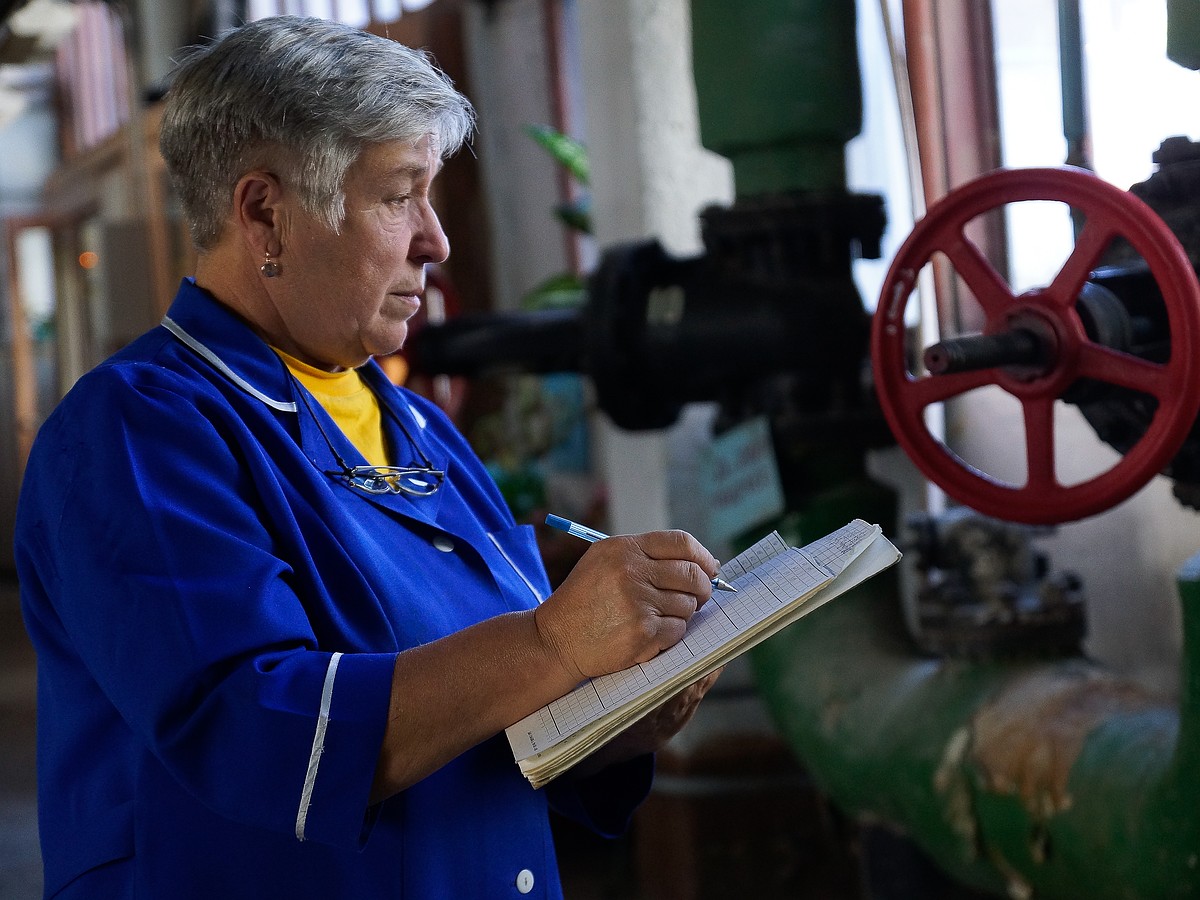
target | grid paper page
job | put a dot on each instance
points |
(755, 555)
(781, 579)
(836, 549)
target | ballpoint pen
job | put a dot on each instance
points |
(591, 535)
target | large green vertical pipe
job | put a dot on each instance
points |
(1074, 84)
(779, 90)
(1072, 77)
(1183, 32)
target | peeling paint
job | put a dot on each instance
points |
(1016, 885)
(951, 783)
(1027, 739)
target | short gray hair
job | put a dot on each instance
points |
(300, 97)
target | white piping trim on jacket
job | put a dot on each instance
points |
(318, 747)
(172, 326)
(529, 584)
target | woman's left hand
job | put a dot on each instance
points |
(649, 733)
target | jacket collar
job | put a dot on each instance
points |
(223, 339)
(226, 341)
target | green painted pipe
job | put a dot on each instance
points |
(1048, 780)
(1072, 78)
(1183, 32)
(779, 90)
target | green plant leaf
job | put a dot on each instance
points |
(577, 214)
(566, 150)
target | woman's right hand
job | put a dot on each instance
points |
(627, 599)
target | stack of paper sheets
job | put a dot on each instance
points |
(777, 585)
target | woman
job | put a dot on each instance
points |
(282, 614)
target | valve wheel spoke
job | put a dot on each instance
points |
(921, 392)
(1039, 446)
(1113, 367)
(1089, 248)
(992, 291)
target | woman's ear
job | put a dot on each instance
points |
(258, 212)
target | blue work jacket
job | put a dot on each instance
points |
(217, 619)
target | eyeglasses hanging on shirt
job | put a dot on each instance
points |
(416, 480)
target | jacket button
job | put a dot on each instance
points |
(443, 543)
(524, 881)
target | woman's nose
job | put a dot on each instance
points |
(430, 244)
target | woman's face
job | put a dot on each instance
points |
(348, 296)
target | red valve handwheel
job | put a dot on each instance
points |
(1175, 385)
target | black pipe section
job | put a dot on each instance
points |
(1019, 347)
(535, 342)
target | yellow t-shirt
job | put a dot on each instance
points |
(348, 400)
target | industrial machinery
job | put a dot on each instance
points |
(1024, 773)
(1029, 775)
